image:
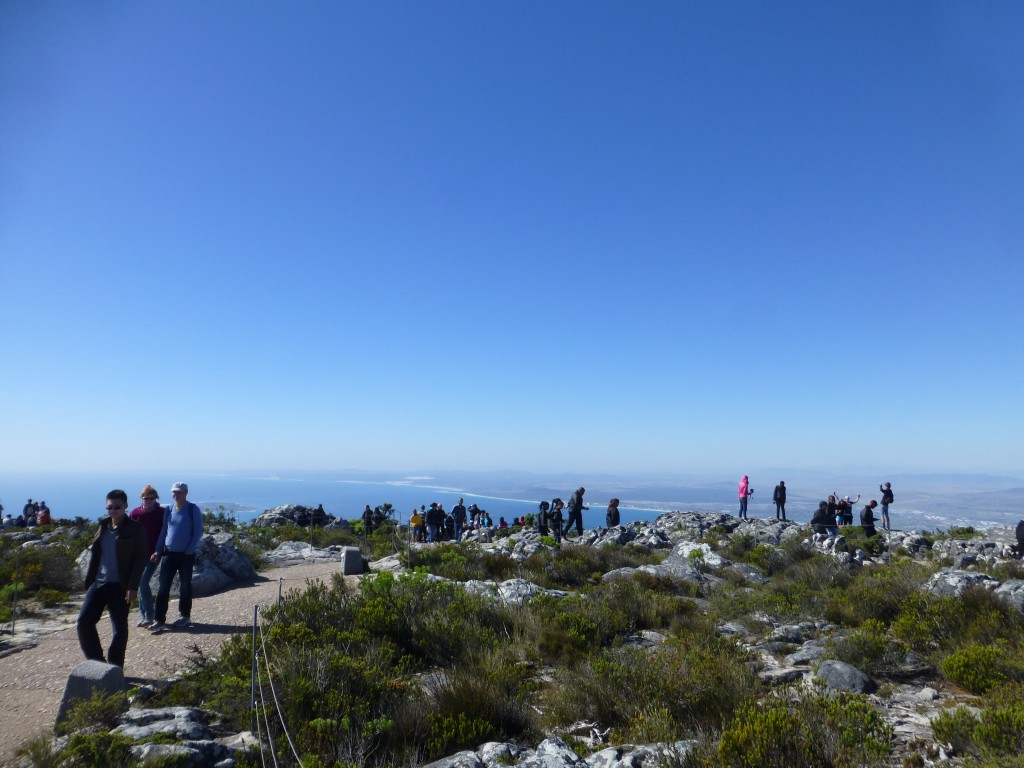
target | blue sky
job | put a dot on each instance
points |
(574, 236)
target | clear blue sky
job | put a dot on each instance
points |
(573, 236)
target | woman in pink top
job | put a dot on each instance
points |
(745, 493)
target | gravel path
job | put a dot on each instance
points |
(32, 680)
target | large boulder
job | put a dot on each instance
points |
(294, 514)
(219, 564)
(840, 676)
(953, 582)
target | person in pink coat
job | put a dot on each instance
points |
(745, 493)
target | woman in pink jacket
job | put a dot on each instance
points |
(745, 493)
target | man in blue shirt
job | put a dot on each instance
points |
(176, 547)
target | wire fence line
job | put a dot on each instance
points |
(261, 666)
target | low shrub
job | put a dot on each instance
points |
(694, 681)
(868, 648)
(996, 733)
(979, 668)
(819, 731)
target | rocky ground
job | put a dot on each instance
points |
(32, 679)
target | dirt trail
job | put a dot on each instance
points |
(32, 680)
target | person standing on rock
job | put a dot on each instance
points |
(745, 493)
(150, 516)
(887, 499)
(542, 518)
(867, 518)
(459, 516)
(176, 547)
(576, 512)
(117, 559)
(611, 517)
(555, 519)
(779, 497)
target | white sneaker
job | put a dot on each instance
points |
(146, 623)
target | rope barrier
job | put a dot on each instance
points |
(266, 720)
(257, 685)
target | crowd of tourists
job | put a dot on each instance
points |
(32, 514)
(125, 552)
(833, 513)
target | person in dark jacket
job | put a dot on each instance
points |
(459, 515)
(542, 518)
(611, 517)
(576, 512)
(867, 518)
(435, 522)
(1019, 549)
(555, 518)
(367, 520)
(117, 558)
(887, 499)
(779, 497)
(821, 522)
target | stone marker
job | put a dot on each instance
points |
(351, 561)
(87, 678)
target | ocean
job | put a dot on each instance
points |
(246, 496)
(921, 503)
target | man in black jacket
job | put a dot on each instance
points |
(575, 509)
(779, 497)
(867, 518)
(117, 558)
(459, 515)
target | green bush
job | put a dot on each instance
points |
(819, 731)
(692, 682)
(997, 733)
(979, 668)
(869, 649)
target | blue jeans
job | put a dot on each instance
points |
(458, 532)
(146, 604)
(111, 597)
(431, 533)
(743, 506)
(181, 564)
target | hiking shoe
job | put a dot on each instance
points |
(146, 623)
(157, 627)
(182, 622)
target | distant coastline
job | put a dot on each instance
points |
(922, 501)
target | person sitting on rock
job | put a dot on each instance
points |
(44, 517)
(502, 525)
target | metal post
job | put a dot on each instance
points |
(252, 695)
(280, 584)
(14, 598)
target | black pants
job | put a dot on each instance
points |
(181, 564)
(111, 597)
(576, 515)
(780, 510)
